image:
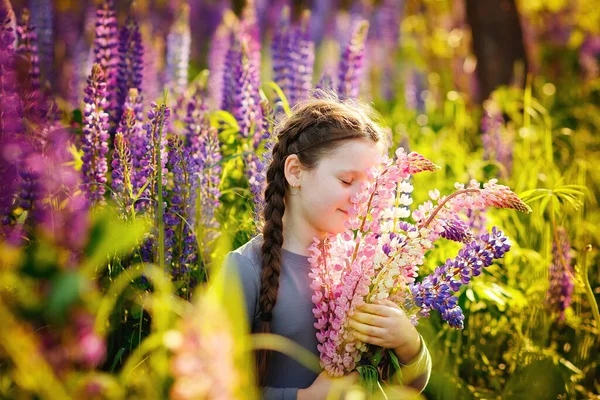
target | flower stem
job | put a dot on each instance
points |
(440, 205)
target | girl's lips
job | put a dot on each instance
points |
(345, 212)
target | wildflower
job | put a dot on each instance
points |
(178, 51)
(95, 136)
(131, 59)
(559, 295)
(42, 15)
(351, 63)
(28, 48)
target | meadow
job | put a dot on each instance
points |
(134, 140)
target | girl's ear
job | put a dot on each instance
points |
(292, 170)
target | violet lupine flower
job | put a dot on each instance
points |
(293, 56)
(279, 50)
(11, 117)
(239, 97)
(122, 165)
(195, 111)
(414, 86)
(588, 56)
(180, 242)
(106, 49)
(95, 136)
(351, 62)
(387, 19)
(497, 141)
(28, 48)
(155, 141)
(219, 47)
(42, 15)
(151, 87)
(559, 295)
(257, 162)
(208, 157)
(435, 292)
(179, 42)
(326, 82)
(131, 54)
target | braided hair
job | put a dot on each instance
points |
(315, 128)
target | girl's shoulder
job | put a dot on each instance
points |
(248, 254)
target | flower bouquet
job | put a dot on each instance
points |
(379, 254)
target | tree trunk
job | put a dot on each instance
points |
(497, 42)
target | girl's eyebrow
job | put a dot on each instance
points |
(355, 172)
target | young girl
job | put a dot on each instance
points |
(319, 160)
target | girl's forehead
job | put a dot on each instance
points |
(353, 156)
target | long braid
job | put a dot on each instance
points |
(271, 248)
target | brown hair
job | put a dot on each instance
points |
(315, 128)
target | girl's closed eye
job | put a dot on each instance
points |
(346, 182)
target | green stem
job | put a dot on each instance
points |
(588, 288)
(159, 216)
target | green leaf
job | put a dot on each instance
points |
(282, 97)
(111, 236)
(64, 292)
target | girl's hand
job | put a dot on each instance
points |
(324, 386)
(384, 324)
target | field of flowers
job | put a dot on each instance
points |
(134, 140)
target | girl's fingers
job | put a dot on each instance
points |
(377, 309)
(369, 319)
(369, 330)
(367, 339)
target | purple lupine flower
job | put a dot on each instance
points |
(28, 48)
(194, 118)
(155, 141)
(42, 15)
(386, 28)
(293, 56)
(179, 42)
(435, 291)
(559, 295)
(207, 156)
(219, 47)
(95, 136)
(122, 164)
(457, 230)
(279, 50)
(151, 84)
(305, 53)
(239, 96)
(131, 54)
(497, 141)
(232, 58)
(588, 56)
(413, 90)
(11, 117)
(257, 162)
(326, 82)
(476, 221)
(106, 49)
(321, 15)
(209, 16)
(180, 241)
(351, 62)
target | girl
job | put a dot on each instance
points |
(319, 160)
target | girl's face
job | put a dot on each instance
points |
(324, 198)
